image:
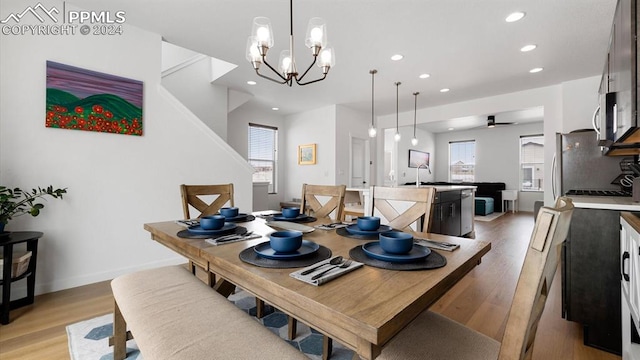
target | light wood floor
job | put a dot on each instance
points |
(481, 301)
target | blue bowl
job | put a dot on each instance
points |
(291, 212)
(212, 222)
(229, 212)
(285, 241)
(368, 223)
(396, 242)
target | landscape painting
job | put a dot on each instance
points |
(80, 99)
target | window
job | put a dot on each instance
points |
(532, 163)
(263, 148)
(462, 161)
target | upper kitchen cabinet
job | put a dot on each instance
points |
(618, 109)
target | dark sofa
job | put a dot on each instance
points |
(484, 189)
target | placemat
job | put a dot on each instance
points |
(433, 261)
(187, 235)
(241, 219)
(248, 255)
(345, 233)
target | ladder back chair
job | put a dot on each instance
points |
(207, 199)
(433, 336)
(312, 193)
(192, 195)
(219, 195)
(420, 212)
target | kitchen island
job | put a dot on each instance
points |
(591, 269)
(452, 212)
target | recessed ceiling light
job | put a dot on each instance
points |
(528, 47)
(424, 76)
(535, 70)
(444, 90)
(450, 129)
(397, 57)
(514, 16)
(275, 108)
(251, 82)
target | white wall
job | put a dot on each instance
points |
(191, 85)
(238, 138)
(497, 157)
(115, 183)
(426, 142)
(311, 127)
(579, 101)
(567, 106)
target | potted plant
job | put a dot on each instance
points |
(16, 202)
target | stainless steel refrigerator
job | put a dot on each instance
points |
(580, 165)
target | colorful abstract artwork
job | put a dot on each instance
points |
(80, 99)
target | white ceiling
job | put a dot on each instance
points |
(464, 44)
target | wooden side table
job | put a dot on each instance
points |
(7, 242)
(510, 195)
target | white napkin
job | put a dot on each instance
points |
(240, 238)
(334, 273)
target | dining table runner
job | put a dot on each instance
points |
(432, 261)
(250, 256)
(185, 234)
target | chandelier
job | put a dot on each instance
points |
(261, 40)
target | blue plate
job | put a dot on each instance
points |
(240, 216)
(353, 229)
(264, 250)
(300, 217)
(196, 229)
(374, 250)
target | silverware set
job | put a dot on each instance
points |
(233, 237)
(343, 265)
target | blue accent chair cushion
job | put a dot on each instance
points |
(484, 205)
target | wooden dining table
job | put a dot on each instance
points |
(362, 309)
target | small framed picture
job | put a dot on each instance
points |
(307, 154)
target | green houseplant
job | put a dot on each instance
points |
(15, 202)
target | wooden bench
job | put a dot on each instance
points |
(173, 315)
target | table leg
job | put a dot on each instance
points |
(31, 278)
(7, 254)
(367, 350)
(327, 347)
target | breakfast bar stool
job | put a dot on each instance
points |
(433, 336)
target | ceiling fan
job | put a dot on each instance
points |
(491, 122)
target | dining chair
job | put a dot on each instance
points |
(312, 196)
(433, 336)
(387, 200)
(208, 200)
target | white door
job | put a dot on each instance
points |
(359, 155)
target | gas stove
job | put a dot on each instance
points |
(598, 193)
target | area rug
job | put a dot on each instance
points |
(489, 217)
(89, 339)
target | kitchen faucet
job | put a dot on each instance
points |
(418, 173)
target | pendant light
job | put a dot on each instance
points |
(372, 129)
(397, 136)
(414, 140)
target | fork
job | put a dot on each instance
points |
(345, 264)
